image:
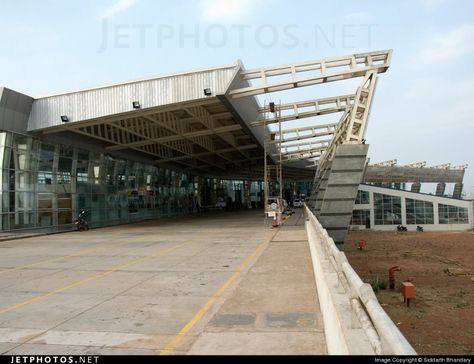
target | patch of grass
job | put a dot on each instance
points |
(383, 284)
(375, 286)
(378, 284)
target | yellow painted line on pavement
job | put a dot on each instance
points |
(202, 311)
(72, 255)
(93, 277)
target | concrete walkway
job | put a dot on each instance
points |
(275, 309)
(171, 286)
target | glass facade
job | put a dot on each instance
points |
(361, 217)
(388, 210)
(452, 214)
(419, 212)
(363, 198)
(45, 185)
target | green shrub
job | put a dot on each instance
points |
(383, 284)
(378, 284)
(375, 284)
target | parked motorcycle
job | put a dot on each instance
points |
(81, 222)
(402, 228)
(419, 229)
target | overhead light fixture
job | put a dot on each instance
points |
(272, 107)
(136, 104)
(207, 92)
(64, 118)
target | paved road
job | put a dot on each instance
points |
(151, 288)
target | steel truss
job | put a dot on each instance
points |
(351, 127)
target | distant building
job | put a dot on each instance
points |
(380, 208)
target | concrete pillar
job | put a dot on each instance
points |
(340, 190)
(247, 202)
(311, 199)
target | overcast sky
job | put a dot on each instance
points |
(423, 108)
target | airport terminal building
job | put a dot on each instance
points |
(175, 144)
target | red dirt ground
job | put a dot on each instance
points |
(440, 320)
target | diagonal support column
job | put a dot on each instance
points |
(339, 194)
(440, 189)
(416, 187)
(319, 189)
(457, 193)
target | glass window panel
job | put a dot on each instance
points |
(24, 200)
(63, 178)
(82, 168)
(5, 201)
(387, 209)
(45, 201)
(419, 212)
(45, 218)
(45, 178)
(448, 214)
(64, 164)
(83, 201)
(22, 160)
(3, 137)
(64, 217)
(64, 201)
(7, 139)
(23, 181)
(360, 217)
(83, 187)
(5, 222)
(6, 157)
(363, 197)
(66, 151)
(12, 202)
(24, 220)
(46, 157)
(82, 155)
(21, 141)
(64, 170)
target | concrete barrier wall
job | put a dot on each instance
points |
(354, 321)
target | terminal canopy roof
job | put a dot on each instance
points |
(210, 122)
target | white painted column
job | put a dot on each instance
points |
(404, 210)
(372, 210)
(435, 213)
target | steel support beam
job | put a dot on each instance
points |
(321, 107)
(310, 132)
(320, 71)
(192, 134)
(197, 155)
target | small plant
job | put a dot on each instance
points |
(378, 284)
(375, 284)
